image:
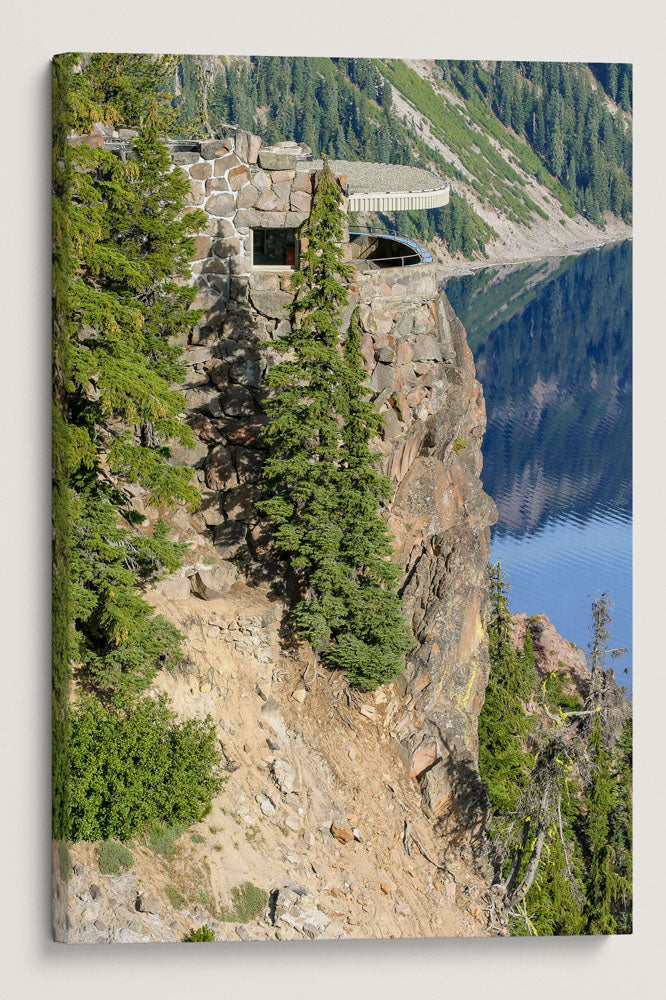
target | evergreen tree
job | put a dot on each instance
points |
(503, 725)
(621, 833)
(602, 879)
(319, 474)
(124, 307)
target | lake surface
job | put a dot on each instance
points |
(552, 344)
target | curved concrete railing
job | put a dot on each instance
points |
(418, 252)
(398, 201)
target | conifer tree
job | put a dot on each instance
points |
(319, 476)
(503, 725)
(602, 881)
(127, 308)
(123, 306)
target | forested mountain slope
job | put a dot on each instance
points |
(539, 155)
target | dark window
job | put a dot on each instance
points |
(274, 247)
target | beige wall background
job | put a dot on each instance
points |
(31, 965)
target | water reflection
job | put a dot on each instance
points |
(552, 343)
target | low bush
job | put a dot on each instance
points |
(162, 837)
(113, 858)
(134, 766)
(204, 933)
(248, 901)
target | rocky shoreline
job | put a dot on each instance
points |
(449, 267)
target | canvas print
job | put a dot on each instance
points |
(341, 498)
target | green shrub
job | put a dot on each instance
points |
(132, 767)
(196, 838)
(162, 837)
(175, 897)
(247, 901)
(113, 858)
(204, 933)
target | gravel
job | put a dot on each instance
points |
(380, 177)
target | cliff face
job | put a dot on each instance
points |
(310, 763)
(422, 374)
(440, 519)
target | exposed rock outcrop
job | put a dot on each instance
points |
(552, 652)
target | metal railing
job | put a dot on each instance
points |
(421, 252)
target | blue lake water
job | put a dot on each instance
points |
(552, 345)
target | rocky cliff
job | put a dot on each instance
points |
(422, 373)
(289, 735)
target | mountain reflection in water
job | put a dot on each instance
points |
(552, 344)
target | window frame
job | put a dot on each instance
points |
(276, 268)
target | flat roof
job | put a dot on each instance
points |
(385, 187)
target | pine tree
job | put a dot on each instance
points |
(127, 309)
(602, 882)
(320, 475)
(124, 306)
(621, 833)
(503, 725)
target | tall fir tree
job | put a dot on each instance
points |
(322, 488)
(123, 309)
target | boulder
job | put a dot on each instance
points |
(210, 582)
(271, 303)
(229, 538)
(427, 349)
(423, 758)
(195, 194)
(148, 903)
(302, 182)
(214, 148)
(175, 588)
(220, 469)
(248, 433)
(276, 161)
(260, 220)
(193, 457)
(283, 774)
(202, 246)
(247, 196)
(237, 177)
(225, 163)
(220, 227)
(239, 503)
(214, 184)
(247, 146)
(300, 201)
(227, 247)
(261, 180)
(269, 201)
(237, 401)
(181, 159)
